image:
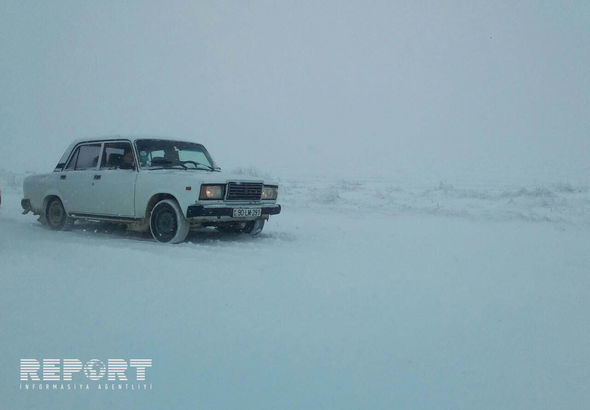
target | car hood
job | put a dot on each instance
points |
(208, 177)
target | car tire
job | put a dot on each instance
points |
(254, 227)
(167, 222)
(55, 215)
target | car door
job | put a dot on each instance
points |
(114, 184)
(75, 181)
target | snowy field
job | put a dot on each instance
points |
(362, 294)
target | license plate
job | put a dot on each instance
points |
(246, 212)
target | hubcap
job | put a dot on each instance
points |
(165, 223)
(55, 213)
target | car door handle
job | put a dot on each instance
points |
(62, 177)
(97, 177)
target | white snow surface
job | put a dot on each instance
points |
(361, 294)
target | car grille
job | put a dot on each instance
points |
(243, 191)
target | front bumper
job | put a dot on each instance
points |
(196, 211)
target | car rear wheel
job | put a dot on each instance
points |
(167, 222)
(55, 214)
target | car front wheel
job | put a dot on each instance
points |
(167, 222)
(254, 227)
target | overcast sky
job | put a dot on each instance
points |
(382, 88)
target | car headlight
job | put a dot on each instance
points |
(212, 192)
(270, 192)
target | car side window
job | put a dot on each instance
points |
(85, 157)
(117, 155)
(72, 163)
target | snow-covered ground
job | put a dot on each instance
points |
(362, 294)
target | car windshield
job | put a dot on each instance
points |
(163, 154)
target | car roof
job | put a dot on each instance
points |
(131, 138)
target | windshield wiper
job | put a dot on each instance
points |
(197, 164)
(166, 167)
(166, 163)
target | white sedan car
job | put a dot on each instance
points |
(161, 185)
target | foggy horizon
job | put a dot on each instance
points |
(382, 89)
